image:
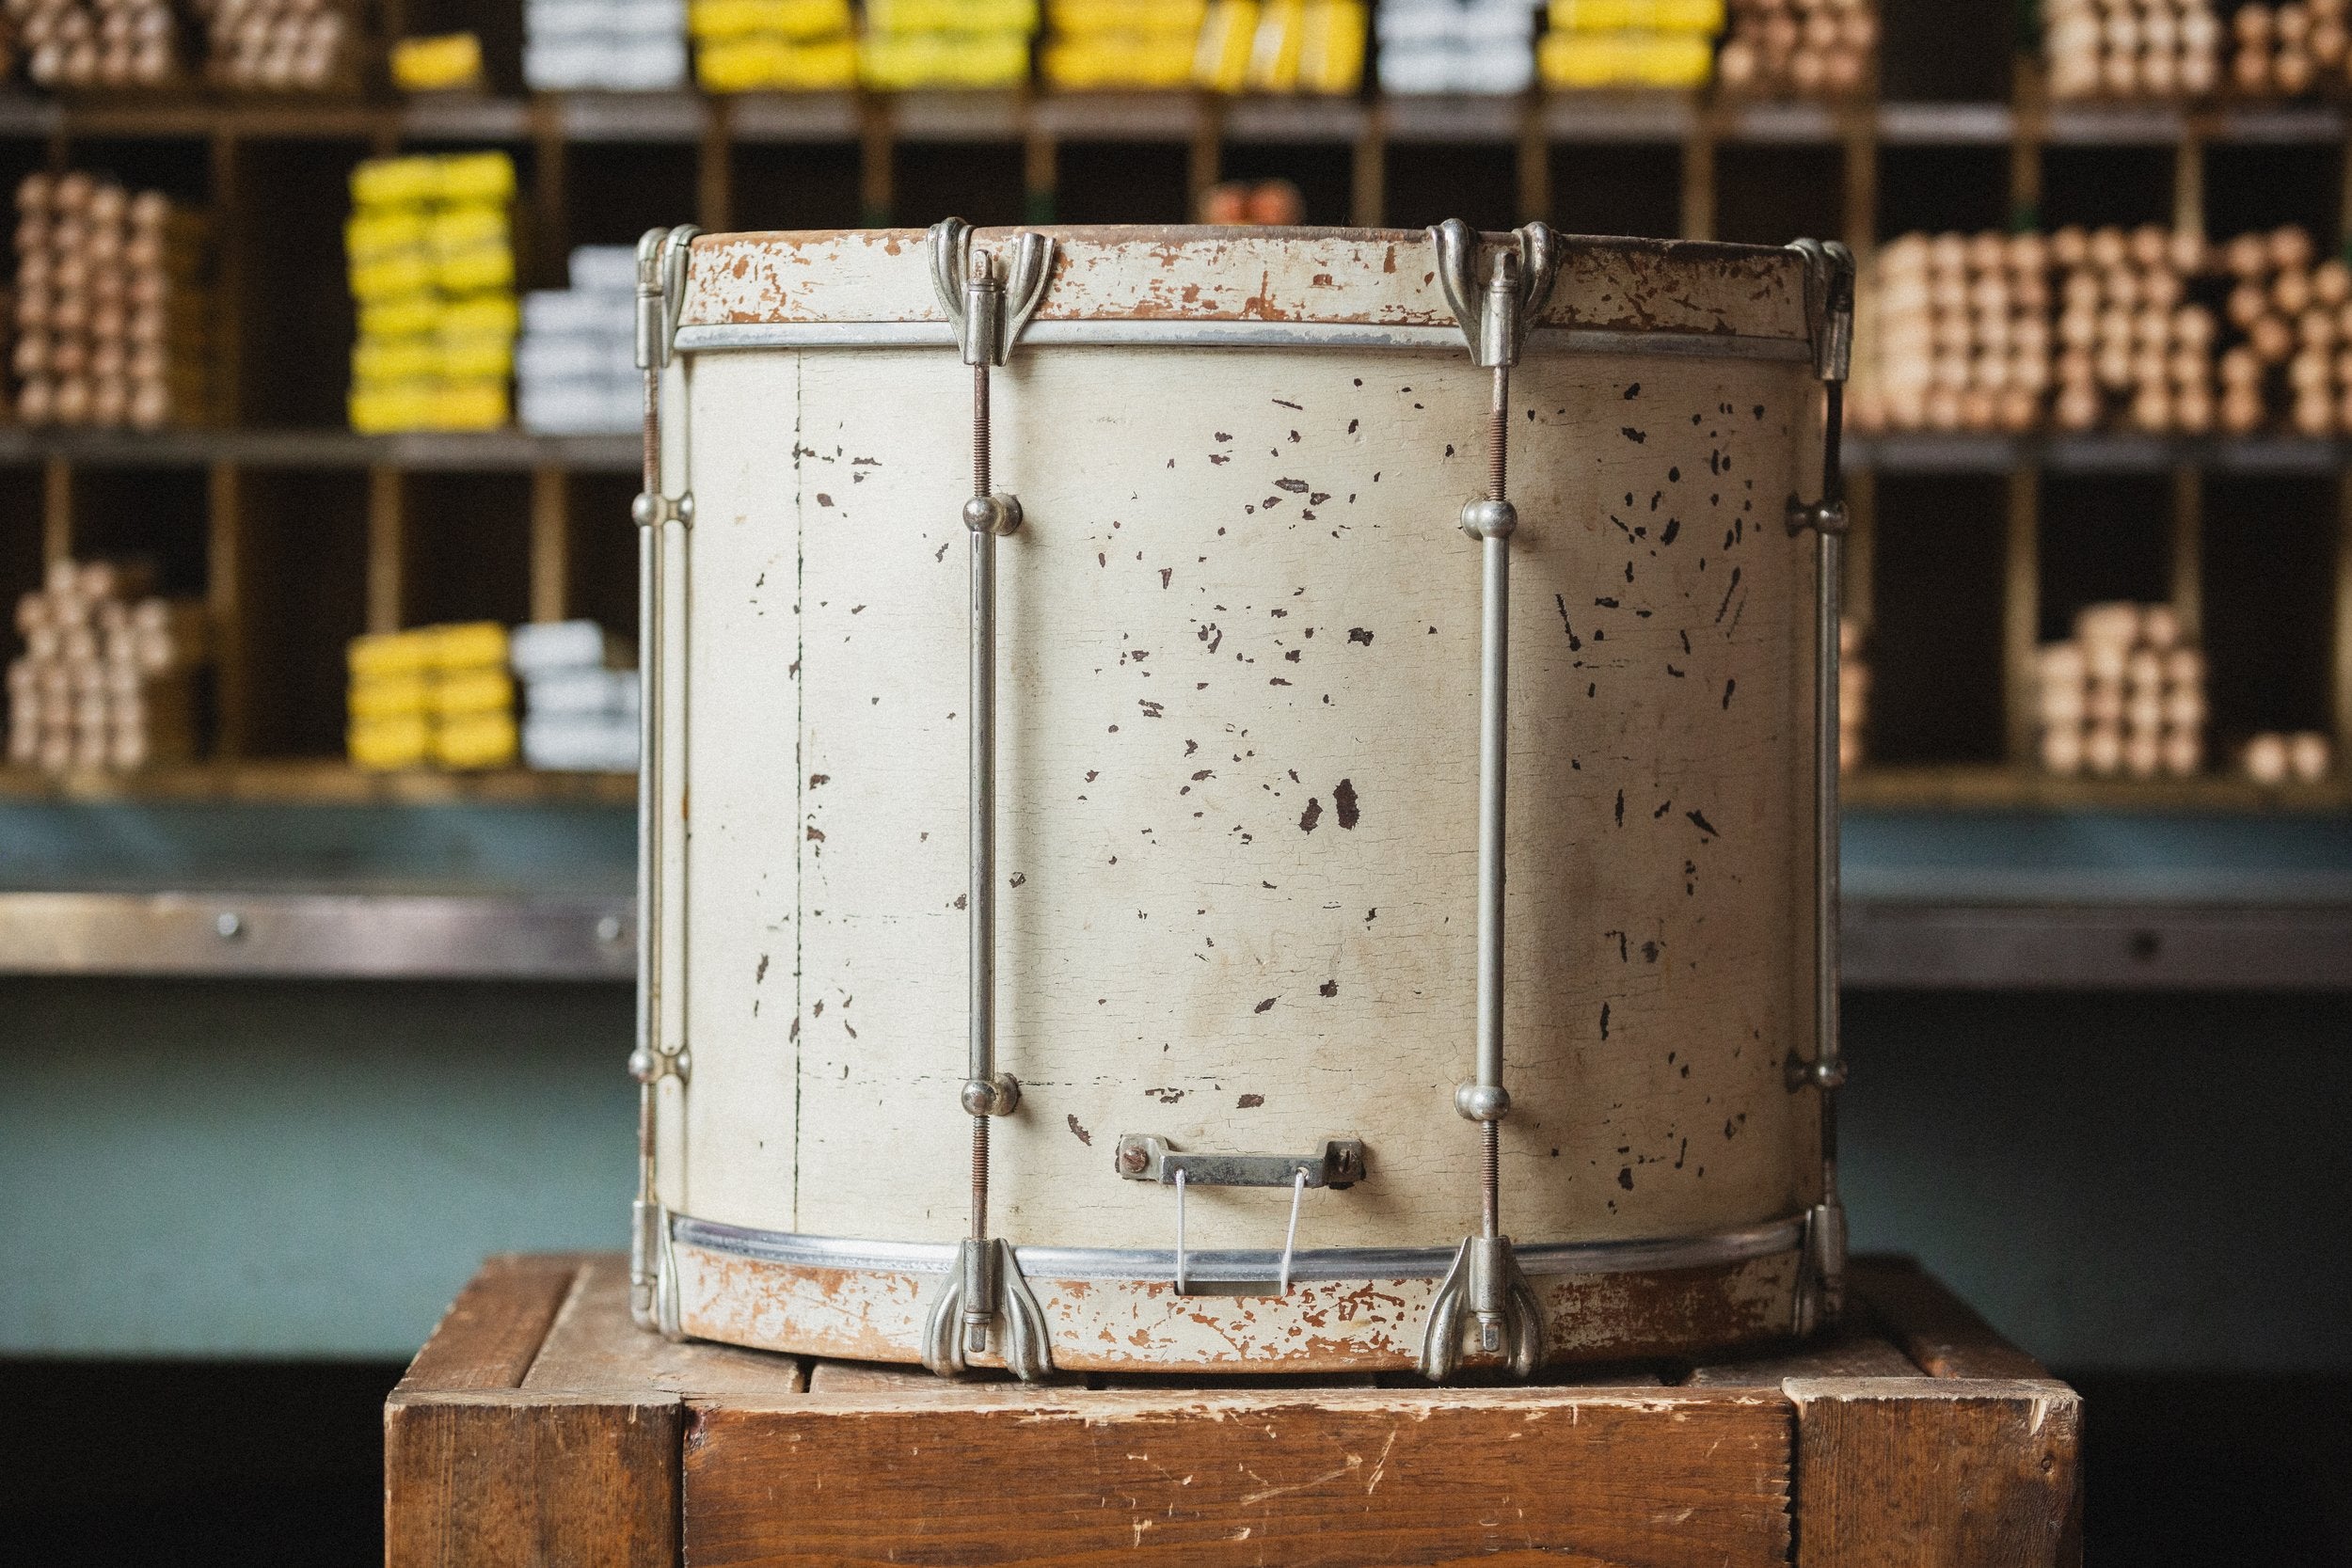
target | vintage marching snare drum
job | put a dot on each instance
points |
(1238, 800)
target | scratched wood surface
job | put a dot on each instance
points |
(540, 1427)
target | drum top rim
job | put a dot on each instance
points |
(1300, 277)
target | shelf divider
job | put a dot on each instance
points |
(388, 549)
(2021, 618)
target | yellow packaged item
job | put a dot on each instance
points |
(388, 697)
(1331, 47)
(471, 691)
(437, 64)
(465, 225)
(405, 272)
(395, 181)
(381, 745)
(478, 740)
(380, 359)
(488, 266)
(476, 177)
(399, 315)
(468, 406)
(791, 18)
(765, 63)
(374, 231)
(1578, 60)
(1095, 60)
(1274, 50)
(951, 16)
(380, 409)
(1222, 63)
(897, 61)
(471, 358)
(1647, 16)
(1127, 16)
(390, 655)
(467, 645)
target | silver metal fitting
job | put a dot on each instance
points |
(1502, 1309)
(987, 336)
(650, 1066)
(1482, 1101)
(1496, 316)
(998, 514)
(1825, 1075)
(1145, 1157)
(1490, 519)
(1821, 516)
(983, 1296)
(1820, 1298)
(999, 1096)
(661, 256)
(650, 510)
(1829, 300)
(653, 1296)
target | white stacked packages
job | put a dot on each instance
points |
(579, 714)
(604, 45)
(1438, 46)
(575, 368)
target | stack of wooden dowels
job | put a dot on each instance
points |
(1853, 695)
(2125, 695)
(2294, 318)
(97, 43)
(107, 679)
(2132, 49)
(280, 44)
(2287, 51)
(1802, 48)
(2300, 756)
(110, 316)
(2133, 350)
(1957, 334)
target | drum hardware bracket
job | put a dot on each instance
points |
(985, 1288)
(661, 256)
(1486, 1276)
(1339, 1165)
(1829, 271)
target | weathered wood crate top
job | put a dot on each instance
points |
(540, 1427)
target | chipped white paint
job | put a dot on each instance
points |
(1239, 659)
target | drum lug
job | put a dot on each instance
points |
(1822, 1268)
(983, 1291)
(988, 321)
(1829, 275)
(653, 1299)
(1496, 323)
(1504, 1312)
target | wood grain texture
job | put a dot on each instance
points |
(591, 1348)
(1936, 1472)
(491, 1333)
(1855, 1348)
(507, 1479)
(1934, 1327)
(1326, 1478)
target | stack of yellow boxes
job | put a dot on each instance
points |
(1630, 43)
(1282, 46)
(435, 697)
(773, 45)
(1123, 44)
(946, 44)
(432, 251)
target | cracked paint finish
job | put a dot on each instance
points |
(1238, 674)
(1321, 1326)
(1356, 275)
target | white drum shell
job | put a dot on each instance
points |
(1238, 674)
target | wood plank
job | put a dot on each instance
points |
(1934, 1472)
(1857, 1349)
(388, 549)
(1337, 1477)
(594, 1347)
(2020, 619)
(57, 511)
(498, 1479)
(1934, 1327)
(226, 563)
(550, 544)
(493, 1331)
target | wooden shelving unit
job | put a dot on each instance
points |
(301, 534)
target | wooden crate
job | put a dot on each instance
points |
(540, 1427)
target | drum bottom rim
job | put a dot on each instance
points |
(1145, 1265)
(869, 1301)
